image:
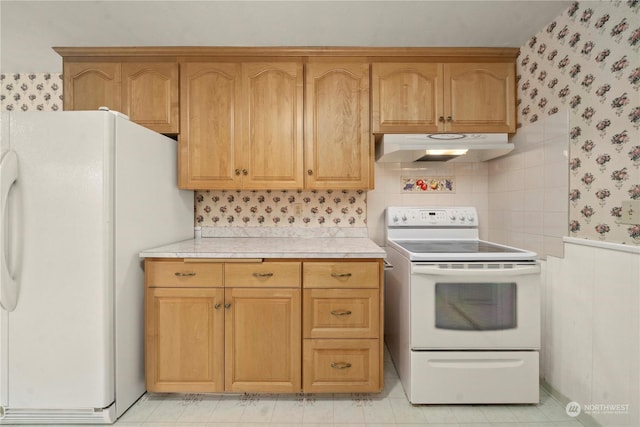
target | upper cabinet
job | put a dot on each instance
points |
(147, 92)
(449, 97)
(292, 117)
(150, 95)
(89, 85)
(241, 125)
(337, 138)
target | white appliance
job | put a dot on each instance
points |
(81, 194)
(462, 315)
(454, 147)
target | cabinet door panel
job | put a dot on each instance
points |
(184, 340)
(262, 340)
(150, 95)
(480, 97)
(337, 141)
(406, 97)
(90, 85)
(272, 127)
(209, 139)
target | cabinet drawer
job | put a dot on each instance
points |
(178, 273)
(341, 313)
(341, 274)
(263, 274)
(338, 366)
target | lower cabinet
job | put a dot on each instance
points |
(342, 324)
(256, 327)
(184, 345)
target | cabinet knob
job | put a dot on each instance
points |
(449, 119)
(237, 171)
(441, 119)
(309, 172)
(341, 312)
(185, 273)
(245, 172)
(262, 274)
(217, 306)
(227, 305)
(340, 365)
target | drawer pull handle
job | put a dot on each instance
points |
(217, 306)
(262, 274)
(185, 274)
(341, 312)
(340, 365)
(340, 275)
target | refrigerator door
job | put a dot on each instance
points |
(58, 340)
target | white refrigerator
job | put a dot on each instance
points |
(81, 193)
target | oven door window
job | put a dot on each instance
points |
(476, 306)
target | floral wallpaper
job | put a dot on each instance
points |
(31, 92)
(588, 59)
(267, 208)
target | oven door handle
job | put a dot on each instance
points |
(437, 271)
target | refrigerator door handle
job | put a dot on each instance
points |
(8, 285)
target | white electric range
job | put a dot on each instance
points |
(462, 315)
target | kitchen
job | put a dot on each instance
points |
(522, 198)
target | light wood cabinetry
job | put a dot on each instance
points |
(89, 85)
(337, 138)
(241, 125)
(277, 326)
(147, 92)
(262, 327)
(203, 337)
(342, 324)
(184, 327)
(450, 97)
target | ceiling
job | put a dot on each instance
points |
(29, 29)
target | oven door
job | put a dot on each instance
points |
(475, 306)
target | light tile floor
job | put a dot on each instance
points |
(387, 409)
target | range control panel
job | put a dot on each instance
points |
(432, 217)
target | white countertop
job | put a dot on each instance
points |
(269, 247)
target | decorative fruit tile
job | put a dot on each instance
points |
(430, 184)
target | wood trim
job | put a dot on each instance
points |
(438, 54)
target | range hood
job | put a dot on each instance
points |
(455, 147)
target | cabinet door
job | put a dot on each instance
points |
(210, 122)
(262, 340)
(407, 97)
(89, 85)
(150, 95)
(272, 139)
(337, 140)
(480, 97)
(184, 340)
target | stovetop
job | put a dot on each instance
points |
(444, 234)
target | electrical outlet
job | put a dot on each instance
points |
(297, 208)
(630, 212)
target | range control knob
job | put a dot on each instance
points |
(404, 218)
(395, 219)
